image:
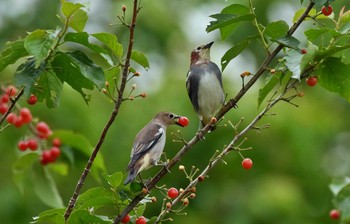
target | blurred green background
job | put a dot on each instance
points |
(294, 160)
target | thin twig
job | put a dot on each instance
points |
(111, 118)
(13, 103)
(228, 106)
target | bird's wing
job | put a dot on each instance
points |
(147, 138)
(213, 67)
(193, 77)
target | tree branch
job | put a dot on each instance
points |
(227, 107)
(112, 116)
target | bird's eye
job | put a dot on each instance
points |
(199, 48)
(171, 116)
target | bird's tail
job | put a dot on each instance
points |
(131, 176)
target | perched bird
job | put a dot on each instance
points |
(204, 84)
(149, 143)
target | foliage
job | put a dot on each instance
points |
(46, 65)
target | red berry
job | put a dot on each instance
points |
(56, 142)
(327, 10)
(26, 115)
(11, 118)
(55, 153)
(32, 144)
(334, 214)
(311, 81)
(5, 98)
(126, 218)
(11, 91)
(303, 51)
(46, 157)
(43, 130)
(173, 192)
(183, 121)
(32, 99)
(18, 122)
(141, 220)
(22, 145)
(3, 108)
(247, 163)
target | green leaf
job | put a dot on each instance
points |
(312, 13)
(83, 145)
(83, 39)
(60, 168)
(111, 41)
(338, 185)
(289, 41)
(78, 71)
(45, 188)
(97, 198)
(76, 17)
(234, 52)
(235, 9)
(276, 29)
(83, 217)
(48, 88)
(271, 82)
(27, 75)
(38, 43)
(114, 180)
(52, 216)
(140, 58)
(335, 76)
(293, 59)
(12, 52)
(226, 20)
(21, 169)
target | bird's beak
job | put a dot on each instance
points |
(176, 119)
(208, 45)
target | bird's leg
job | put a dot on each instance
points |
(162, 164)
(144, 183)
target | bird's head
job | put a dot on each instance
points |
(168, 118)
(201, 53)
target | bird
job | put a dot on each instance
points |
(149, 144)
(204, 85)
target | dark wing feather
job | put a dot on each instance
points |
(144, 142)
(192, 82)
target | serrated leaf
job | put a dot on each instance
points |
(83, 39)
(293, 59)
(78, 71)
(140, 58)
(27, 75)
(21, 168)
(289, 41)
(68, 8)
(226, 20)
(235, 9)
(270, 83)
(48, 88)
(13, 51)
(90, 70)
(96, 197)
(114, 180)
(45, 188)
(335, 76)
(38, 43)
(234, 52)
(276, 29)
(78, 20)
(83, 217)
(111, 41)
(52, 216)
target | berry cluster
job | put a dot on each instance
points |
(40, 130)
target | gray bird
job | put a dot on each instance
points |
(149, 143)
(204, 84)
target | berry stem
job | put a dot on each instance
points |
(13, 103)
